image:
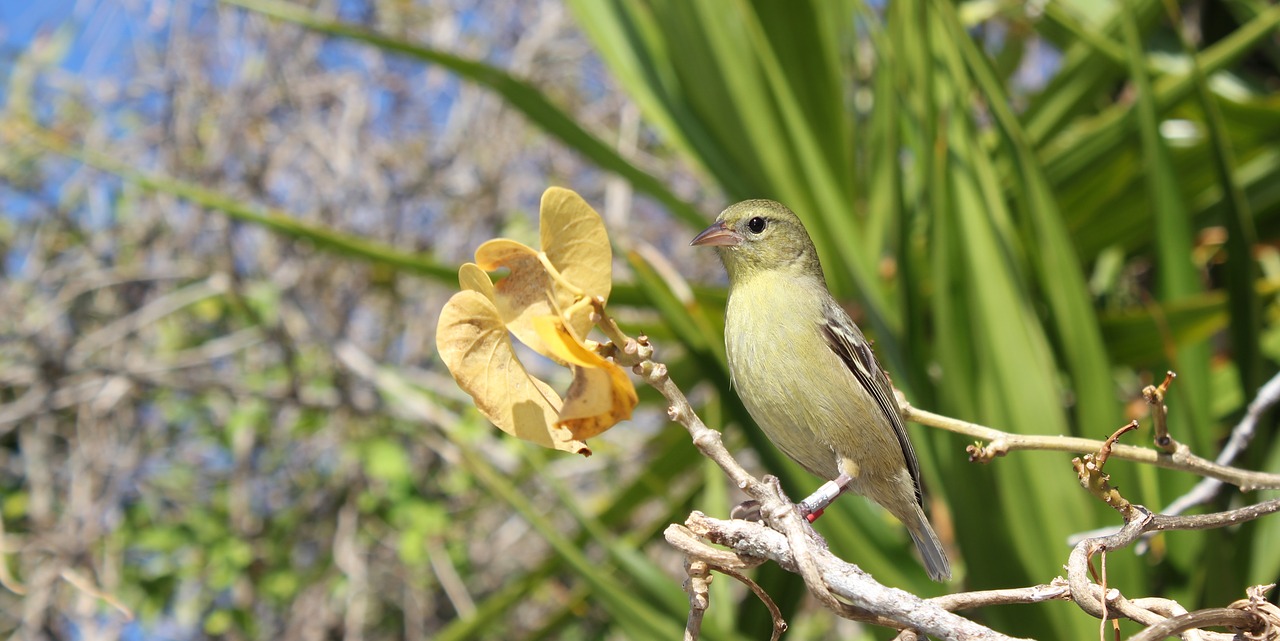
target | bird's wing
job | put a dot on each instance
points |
(847, 341)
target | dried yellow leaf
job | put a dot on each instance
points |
(601, 395)
(471, 277)
(574, 239)
(474, 344)
(575, 243)
(525, 293)
(597, 400)
(564, 343)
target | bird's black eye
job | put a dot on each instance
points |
(756, 225)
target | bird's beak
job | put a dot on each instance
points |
(718, 235)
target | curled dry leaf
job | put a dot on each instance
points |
(576, 245)
(574, 238)
(471, 277)
(601, 394)
(546, 301)
(523, 294)
(473, 342)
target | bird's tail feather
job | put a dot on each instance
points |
(935, 559)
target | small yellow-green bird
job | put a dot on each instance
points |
(808, 376)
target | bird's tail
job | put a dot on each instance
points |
(935, 559)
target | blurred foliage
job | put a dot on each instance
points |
(218, 397)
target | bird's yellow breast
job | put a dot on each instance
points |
(795, 387)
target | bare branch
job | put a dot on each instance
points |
(1154, 395)
(83, 584)
(844, 580)
(1243, 432)
(1249, 623)
(779, 624)
(1101, 603)
(1001, 443)
(1057, 590)
(698, 587)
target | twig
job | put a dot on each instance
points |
(85, 585)
(148, 314)
(1089, 471)
(455, 589)
(637, 353)
(1057, 590)
(1250, 622)
(1001, 443)
(1204, 491)
(1166, 522)
(779, 624)
(1154, 395)
(698, 587)
(1089, 596)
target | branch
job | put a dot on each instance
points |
(1091, 597)
(1268, 395)
(1001, 443)
(1057, 590)
(878, 603)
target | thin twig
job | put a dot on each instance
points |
(1206, 489)
(1166, 522)
(779, 624)
(148, 314)
(1215, 617)
(1154, 395)
(1097, 602)
(1058, 590)
(1001, 443)
(85, 585)
(698, 587)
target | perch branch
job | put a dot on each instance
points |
(887, 606)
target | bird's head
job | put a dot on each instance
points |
(756, 236)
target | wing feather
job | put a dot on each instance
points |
(847, 341)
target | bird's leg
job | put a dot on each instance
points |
(813, 506)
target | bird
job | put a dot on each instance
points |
(807, 375)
